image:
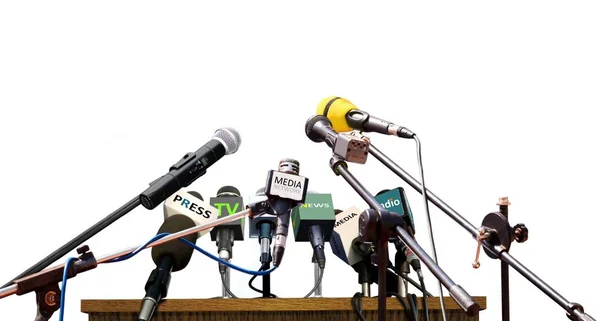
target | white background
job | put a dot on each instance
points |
(100, 98)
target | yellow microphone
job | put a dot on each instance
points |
(345, 116)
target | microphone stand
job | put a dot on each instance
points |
(378, 226)
(496, 236)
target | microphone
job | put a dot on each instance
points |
(348, 246)
(395, 200)
(171, 256)
(351, 147)
(192, 205)
(227, 202)
(313, 222)
(262, 227)
(285, 190)
(226, 141)
(345, 116)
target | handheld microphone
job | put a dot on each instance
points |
(169, 257)
(351, 147)
(226, 141)
(345, 116)
(192, 205)
(262, 227)
(285, 190)
(313, 222)
(227, 202)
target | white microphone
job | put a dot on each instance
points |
(190, 204)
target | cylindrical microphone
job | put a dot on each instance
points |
(193, 165)
(345, 116)
(283, 207)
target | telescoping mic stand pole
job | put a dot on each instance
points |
(496, 236)
(378, 225)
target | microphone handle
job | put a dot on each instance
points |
(156, 288)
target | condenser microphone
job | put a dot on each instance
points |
(192, 205)
(345, 116)
(225, 141)
(227, 202)
(313, 222)
(171, 256)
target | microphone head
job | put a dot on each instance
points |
(179, 252)
(196, 194)
(335, 109)
(345, 231)
(230, 138)
(309, 128)
(229, 202)
(228, 191)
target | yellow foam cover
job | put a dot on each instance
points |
(337, 112)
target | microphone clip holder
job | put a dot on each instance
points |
(45, 284)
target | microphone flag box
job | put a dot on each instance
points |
(288, 186)
(229, 205)
(344, 232)
(395, 200)
(182, 202)
(316, 210)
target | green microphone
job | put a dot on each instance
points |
(313, 222)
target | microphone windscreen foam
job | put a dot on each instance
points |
(336, 108)
(179, 252)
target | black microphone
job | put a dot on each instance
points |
(193, 165)
(262, 227)
(344, 117)
(349, 247)
(351, 147)
(227, 202)
(171, 256)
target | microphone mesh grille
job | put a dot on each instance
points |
(230, 137)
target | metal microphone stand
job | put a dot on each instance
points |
(378, 226)
(496, 236)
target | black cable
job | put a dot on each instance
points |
(226, 287)
(407, 308)
(357, 305)
(317, 284)
(411, 281)
(424, 300)
(412, 300)
(264, 267)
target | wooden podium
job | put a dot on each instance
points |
(311, 309)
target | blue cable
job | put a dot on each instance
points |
(233, 266)
(61, 313)
(138, 250)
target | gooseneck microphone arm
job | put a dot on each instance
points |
(574, 310)
(464, 300)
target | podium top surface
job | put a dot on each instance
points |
(258, 305)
